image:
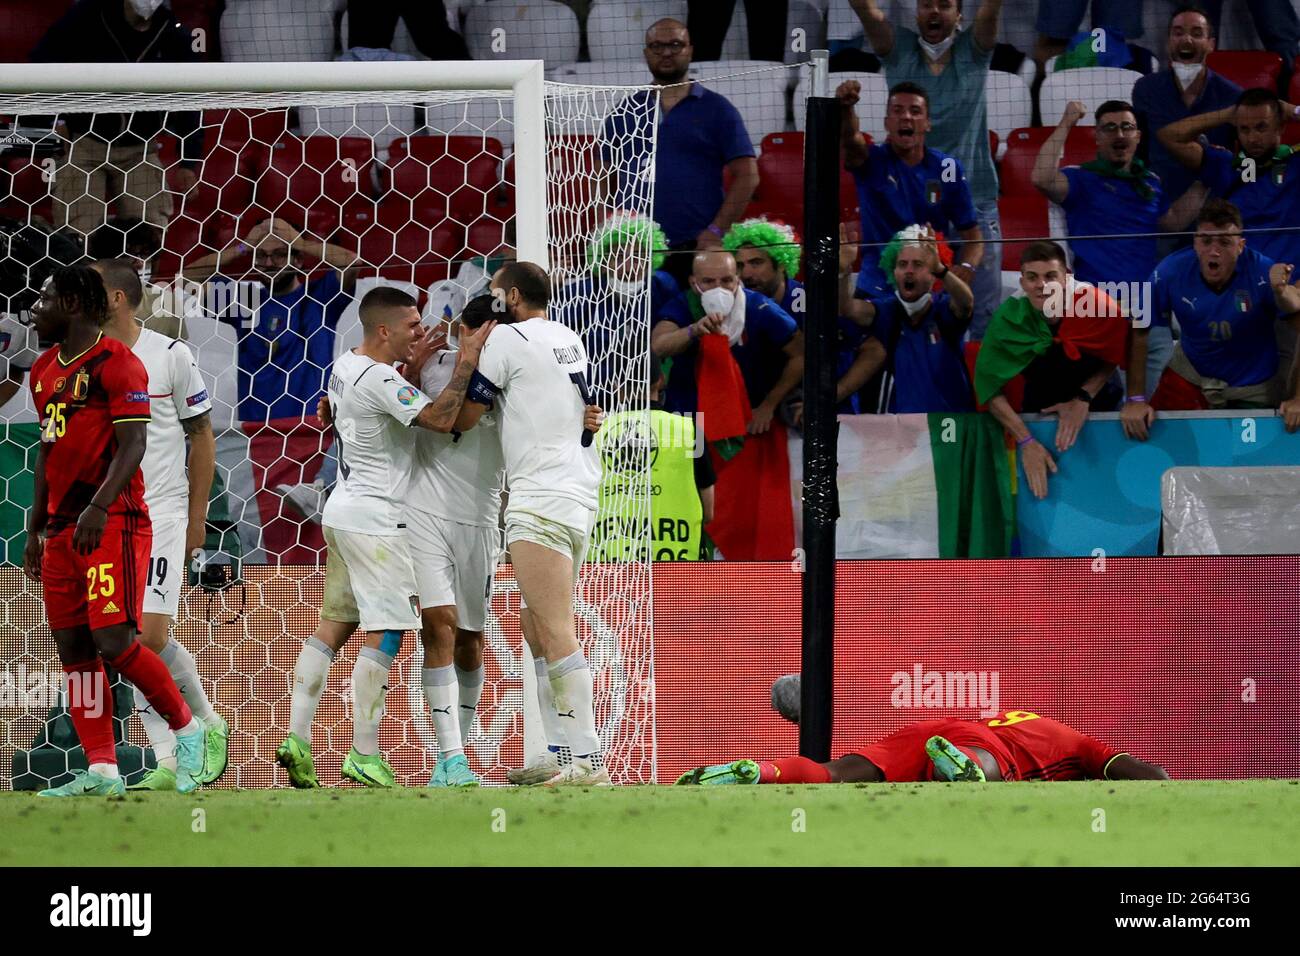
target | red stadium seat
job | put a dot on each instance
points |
(313, 180)
(182, 242)
(25, 22)
(1022, 149)
(780, 181)
(485, 236)
(1247, 68)
(398, 248)
(455, 176)
(1023, 218)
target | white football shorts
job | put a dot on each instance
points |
(369, 578)
(454, 564)
(168, 567)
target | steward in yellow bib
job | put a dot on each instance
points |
(680, 487)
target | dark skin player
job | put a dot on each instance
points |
(63, 319)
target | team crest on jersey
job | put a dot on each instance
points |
(1243, 301)
(415, 605)
(80, 386)
(1279, 174)
(933, 192)
(406, 395)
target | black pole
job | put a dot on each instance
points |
(820, 429)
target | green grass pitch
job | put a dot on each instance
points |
(1203, 823)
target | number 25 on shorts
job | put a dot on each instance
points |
(101, 577)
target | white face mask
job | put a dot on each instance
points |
(911, 308)
(146, 8)
(936, 50)
(1187, 73)
(626, 288)
(717, 301)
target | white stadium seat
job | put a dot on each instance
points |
(616, 28)
(402, 42)
(871, 101)
(376, 120)
(1091, 85)
(530, 30)
(760, 96)
(266, 31)
(1009, 101)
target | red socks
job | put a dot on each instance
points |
(145, 669)
(792, 770)
(91, 707)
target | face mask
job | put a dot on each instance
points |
(717, 301)
(913, 307)
(936, 50)
(146, 8)
(1187, 73)
(626, 288)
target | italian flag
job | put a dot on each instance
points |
(918, 486)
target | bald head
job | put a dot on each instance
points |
(714, 269)
(668, 50)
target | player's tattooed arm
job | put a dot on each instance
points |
(202, 467)
(443, 414)
(36, 520)
(130, 437)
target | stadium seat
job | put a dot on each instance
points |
(871, 101)
(484, 236)
(1022, 149)
(269, 31)
(397, 248)
(1009, 102)
(780, 192)
(183, 241)
(377, 120)
(616, 28)
(600, 73)
(312, 180)
(454, 176)
(482, 117)
(1247, 68)
(1091, 85)
(760, 97)
(25, 22)
(532, 30)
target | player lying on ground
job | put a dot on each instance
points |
(1015, 745)
(88, 535)
(176, 493)
(369, 573)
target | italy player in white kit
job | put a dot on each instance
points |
(176, 493)
(533, 374)
(369, 573)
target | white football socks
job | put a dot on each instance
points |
(574, 693)
(180, 662)
(308, 684)
(471, 690)
(161, 738)
(556, 738)
(369, 685)
(441, 693)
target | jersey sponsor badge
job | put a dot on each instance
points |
(1243, 301)
(80, 386)
(197, 398)
(406, 395)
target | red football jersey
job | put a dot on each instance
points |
(1044, 749)
(79, 401)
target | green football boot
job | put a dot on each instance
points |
(189, 760)
(216, 750)
(159, 778)
(87, 784)
(456, 772)
(369, 771)
(738, 771)
(951, 764)
(294, 755)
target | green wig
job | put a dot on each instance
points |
(772, 237)
(622, 228)
(911, 236)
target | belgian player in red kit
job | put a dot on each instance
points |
(1015, 745)
(88, 537)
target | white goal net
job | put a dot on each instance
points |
(259, 218)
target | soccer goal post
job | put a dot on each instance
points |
(421, 175)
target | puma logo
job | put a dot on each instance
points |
(568, 714)
(440, 710)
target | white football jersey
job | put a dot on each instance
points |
(373, 408)
(538, 370)
(457, 476)
(176, 392)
